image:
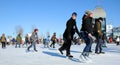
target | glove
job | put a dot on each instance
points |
(93, 38)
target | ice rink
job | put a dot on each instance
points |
(49, 56)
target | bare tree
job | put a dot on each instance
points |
(48, 33)
(19, 30)
(33, 27)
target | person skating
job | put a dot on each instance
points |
(8, 41)
(98, 33)
(53, 39)
(27, 40)
(70, 30)
(3, 41)
(86, 33)
(47, 41)
(117, 40)
(13, 41)
(33, 39)
(44, 42)
(19, 40)
(104, 38)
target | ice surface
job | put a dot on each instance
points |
(45, 56)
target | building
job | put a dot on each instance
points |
(100, 12)
(109, 30)
(116, 32)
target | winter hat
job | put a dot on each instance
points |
(74, 13)
(88, 12)
(35, 30)
(100, 18)
(54, 33)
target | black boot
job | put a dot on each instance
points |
(102, 52)
(90, 51)
(60, 51)
(36, 50)
(53, 46)
(27, 50)
(97, 52)
(70, 56)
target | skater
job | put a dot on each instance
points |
(3, 41)
(13, 41)
(44, 42)
(98, 34)
(33, 38)
(104, 40)
(47, 41)
(70, 30)
(117, 40)
(86, 34)
(27, 40)
(19, 40)
(8, 41)
(53, 39)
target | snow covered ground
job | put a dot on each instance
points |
(45, 56)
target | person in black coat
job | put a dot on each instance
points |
(70, 30)
(86, 33)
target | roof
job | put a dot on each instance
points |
(99, 12)
(117, 29)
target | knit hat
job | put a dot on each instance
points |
(100, 18)
(74, 13)
(35, 30)
(88, 12)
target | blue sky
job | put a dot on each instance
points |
(50, 15)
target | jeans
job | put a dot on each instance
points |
(32, 44)
(99, 45)
(88, 41)
(18, 43)
(26, 43)
(104, 43)
(46, 44)
(88, 44)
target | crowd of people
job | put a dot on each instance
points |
(90, 32)
(30, 40)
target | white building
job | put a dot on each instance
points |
(116, 32)
(109, 30)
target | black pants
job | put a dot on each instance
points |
(3, 44)
(53, 44)
(117, 43)
(66, 46)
